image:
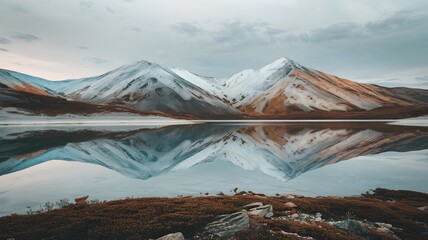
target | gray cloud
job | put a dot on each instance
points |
(136, 29)
(4, 40)
(4, 50)
(274, 34)
(238, 32)
(18, 9)
(383, 39)
(402, 21)
(188, 29)
(86, 4)
(336, 32)
(232, 33)
(83, 47)
(424, 78)
(110, 10)
(25, 37)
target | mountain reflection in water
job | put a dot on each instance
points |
(283, 151)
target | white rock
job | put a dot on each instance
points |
(423, 208)
(382, 230)
(173, 236)
(287, 195)
(385, 225)
(253, 205)
(261, 211)
(227, 225)
(290, 205)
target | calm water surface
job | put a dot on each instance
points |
(40, 164)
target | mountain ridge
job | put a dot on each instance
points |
(282, 89)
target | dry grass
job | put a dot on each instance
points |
(145, 218)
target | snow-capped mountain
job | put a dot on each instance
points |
(280, 151)
(9, 81)
(285, 86)
(148, 87)
(281, 89)
(142, 86)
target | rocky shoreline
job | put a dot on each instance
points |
(380, 214)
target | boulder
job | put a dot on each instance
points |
(252, 205)
(173, 236)
(382, 230)
(385, 225)
(269, 215)
(260, 211)
(423, 208)
(290, 205)
(228, 225)
(286, 195)
(294, 216)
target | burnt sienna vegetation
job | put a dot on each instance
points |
(380, 214)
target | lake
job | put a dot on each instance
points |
(40, 164)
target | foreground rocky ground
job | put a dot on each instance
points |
(381, 214)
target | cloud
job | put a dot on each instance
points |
(83, 47)
(398, 22)
(110, 10)
(238, 32)
(335, 32)
(136, 29)
(274, 34)
(232, 33)
(96, 60)
(86, 4)
(4, 41)
(3, 50)
(247, 33)
(26, 37)
(188, 29)
(18, 9)
(360, 40)
(422, 78)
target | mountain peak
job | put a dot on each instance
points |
(280, 63)
(138, 64)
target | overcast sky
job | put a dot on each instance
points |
(383, 41)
